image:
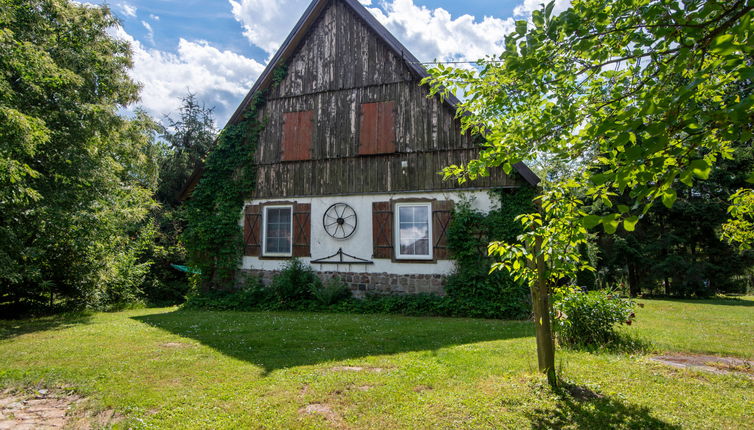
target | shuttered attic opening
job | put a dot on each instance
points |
(297, 136)
(377, 128)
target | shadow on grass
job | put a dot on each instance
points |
(276, 340)
(12, 328)
(580, 407)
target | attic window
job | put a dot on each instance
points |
(297, 136)
(377, 128)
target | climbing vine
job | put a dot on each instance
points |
(212, 237)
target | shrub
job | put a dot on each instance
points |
(589, 318)
(252, 296)
(293, 286)
(333, 291)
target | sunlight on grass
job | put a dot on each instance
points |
(170, 368)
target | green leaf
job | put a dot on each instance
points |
(687, 177)
(521, 27)
(623, 209)
(629, 224)
(610, 223)
(599, 178)
(701, 168)
(591, 221)
(669, 197)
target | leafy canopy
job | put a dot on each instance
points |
(76, 179)
(642, 93)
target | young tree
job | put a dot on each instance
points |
(645, 93)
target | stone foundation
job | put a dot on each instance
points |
(362, 284)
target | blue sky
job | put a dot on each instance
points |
(217, 48)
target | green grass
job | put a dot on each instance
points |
(260, 370)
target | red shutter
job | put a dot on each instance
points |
(297, 135)
(252, 230)
(442, 212)
(377, 128)
(382, 230)
(302, 228)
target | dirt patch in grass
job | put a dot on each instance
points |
(581, 393)
(707, 363)
(326, 411)
(422, 388)
(357, 369)
(49, 409)
(175, 345)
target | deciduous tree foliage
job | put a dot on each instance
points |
(678, 251)
(645, 93)
(76, 179)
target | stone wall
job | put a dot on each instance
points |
(362, 284)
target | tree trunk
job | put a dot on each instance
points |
(541, 305)
(633, 281)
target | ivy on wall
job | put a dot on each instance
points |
(213, 237)
(471, 289)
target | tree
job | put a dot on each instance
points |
(188, 139)
(185, 143)
(76, 179)
(646, 93)
(678, 250)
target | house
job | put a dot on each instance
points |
(347, 162)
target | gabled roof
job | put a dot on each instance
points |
(297, 35)
(315, 9)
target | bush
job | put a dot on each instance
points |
(293, 286)
(589, 318)
(252, 296)
(333, 291)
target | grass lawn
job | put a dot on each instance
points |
(168, 368)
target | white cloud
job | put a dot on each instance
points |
(434, 34)
(529, 6)
(150, 31)
(127, 9)
(428, 33)
(267, 23)
(154, 17)
(218, 78)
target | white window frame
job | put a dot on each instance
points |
(397, 232)
(264, 232)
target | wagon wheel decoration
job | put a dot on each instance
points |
(339, 221)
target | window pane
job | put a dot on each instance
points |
(413, 230)
(278, 231)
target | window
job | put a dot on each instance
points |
(278, 230)
(413, 231)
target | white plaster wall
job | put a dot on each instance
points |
(359, 244)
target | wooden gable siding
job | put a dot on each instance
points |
(340, 52)
(341, 65)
